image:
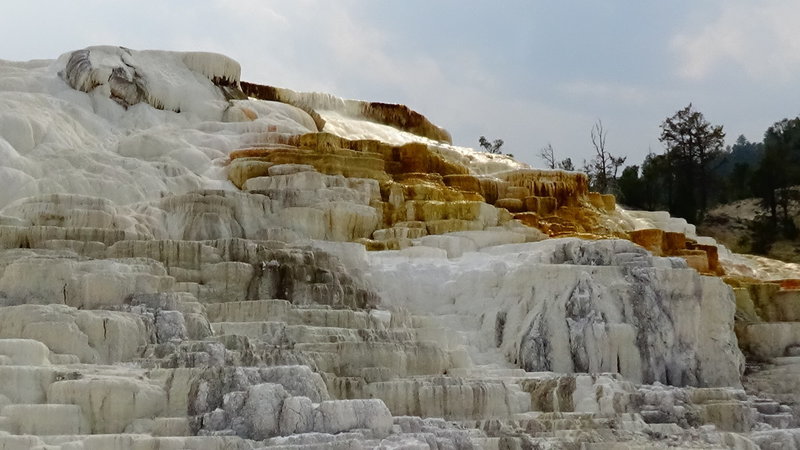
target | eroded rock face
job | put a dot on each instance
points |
(127, 76)
(311, 272)
(577, 306)
(396, 116)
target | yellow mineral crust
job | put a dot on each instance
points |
(703, 258)
(421, 185)
(418, 184)
(568, 188)
(348, 163)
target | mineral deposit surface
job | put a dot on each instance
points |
(188, 260)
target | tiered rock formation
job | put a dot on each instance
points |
(322, 273)
(418, 187)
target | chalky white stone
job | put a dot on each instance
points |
(147, 302)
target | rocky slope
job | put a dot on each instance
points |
(191, 261)
(731, 224)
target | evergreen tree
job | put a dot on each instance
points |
(491, 147)
(692, 143)
(567, 164)
(631, 189)
(774, 183)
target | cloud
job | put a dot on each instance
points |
(615, 92)
(759, 39)
(253, 11)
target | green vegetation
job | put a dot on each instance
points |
(491, 147)
(775, 182)
(695, 173)
(692, 144)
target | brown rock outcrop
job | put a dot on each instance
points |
(398, 116)
(651, 239)
(419, 184)
(568, 188)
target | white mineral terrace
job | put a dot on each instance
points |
(147, 302)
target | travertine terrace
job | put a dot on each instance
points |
(191, 261)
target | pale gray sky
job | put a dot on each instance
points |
(529, 72)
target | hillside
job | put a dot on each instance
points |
(732, 225)
(188, 260)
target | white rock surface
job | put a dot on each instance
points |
(146, 302)
(24, 352)
(554, 306)
(336, 416)
(261, 410)
(296, 416)
(109, 404)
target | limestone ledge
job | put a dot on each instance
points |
(418, 183)
(235, 364)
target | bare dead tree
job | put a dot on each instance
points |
(602, 170)
(601, 157)
(548, 155)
